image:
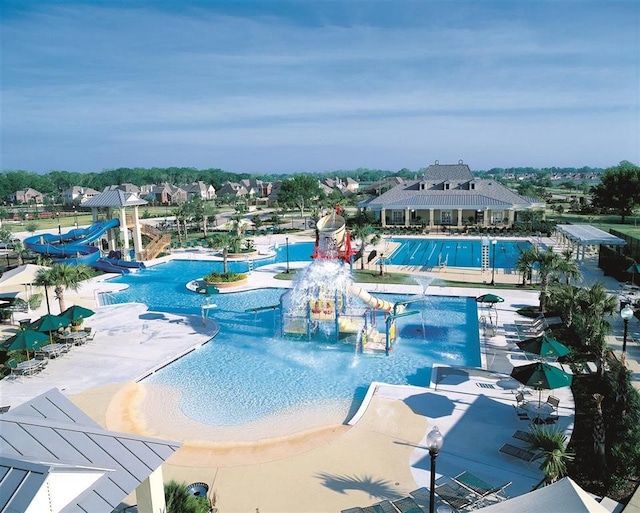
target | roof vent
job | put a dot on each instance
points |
(460, 162)
(437, 162)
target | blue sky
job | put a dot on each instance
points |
(319, 85)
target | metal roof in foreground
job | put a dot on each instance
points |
(49, 442)
(588, 235)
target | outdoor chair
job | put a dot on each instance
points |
(554, 402)
(13, 367)
(520, 398)
(518, 452)
(522, 415)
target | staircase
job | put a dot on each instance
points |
(159, 241)
(375, 341)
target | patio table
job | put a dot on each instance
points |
(537, 411)
(30, 366)
(75, 337)
(54, 350)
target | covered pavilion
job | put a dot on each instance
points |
(584, 235)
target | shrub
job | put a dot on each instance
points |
(228, 277)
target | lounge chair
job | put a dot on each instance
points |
(407, 505)
(518, 452)
(521, 435)
(386, 507)
(456, 495)
(520, 398)
(481, 487)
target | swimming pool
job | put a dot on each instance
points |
(455, 252)
(247, 373)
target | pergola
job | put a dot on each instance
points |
(583, 235)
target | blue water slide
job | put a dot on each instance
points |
(73, 247)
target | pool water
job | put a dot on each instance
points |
(455, 253)
(248, 372)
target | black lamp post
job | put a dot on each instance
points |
(435, 440)
(75, 217)
(494, 243)
(59, 227)
(287, 243)
(626, 313)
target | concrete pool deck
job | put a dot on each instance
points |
(381, 456)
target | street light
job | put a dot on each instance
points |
(494, 242)
(435, 440)
(287, 243)
(59, 227)
(626, 313)
(75, 217)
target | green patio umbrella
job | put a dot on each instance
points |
(633, 269)
(49, 323)
(77, 313)
(491, 300)
(24, 340)
(541, 376)
(544, 346)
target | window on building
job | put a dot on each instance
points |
(397, 217)
(445, 217)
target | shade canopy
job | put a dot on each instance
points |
(49, 323)
(21, 275)
(634, 268)
(544, 346)
(77, 313)
(542, 376)
(24, 340)
(489, 298)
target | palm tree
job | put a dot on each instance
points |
(568, 267)
(525, 263)
(20, 250)
(552, 447)
(365, 234)
(548, 266)
(599, 431)
(62, 277)
(225, 241)
(565, 298)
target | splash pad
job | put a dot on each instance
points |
(324, 301)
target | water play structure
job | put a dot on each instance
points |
(324, 301)
(76, 247)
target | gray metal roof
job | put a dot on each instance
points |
(486, 193)
(114, 198)
(442, 172)
(446, 200)
(589, 235)
(50, 432)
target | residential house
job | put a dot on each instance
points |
(168, 194)
(448, 194)
(125, 187)
(77, 195)
(233, 190)
(27, 195)
(257, 188)
(200, 190)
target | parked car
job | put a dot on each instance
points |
(8, 244)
